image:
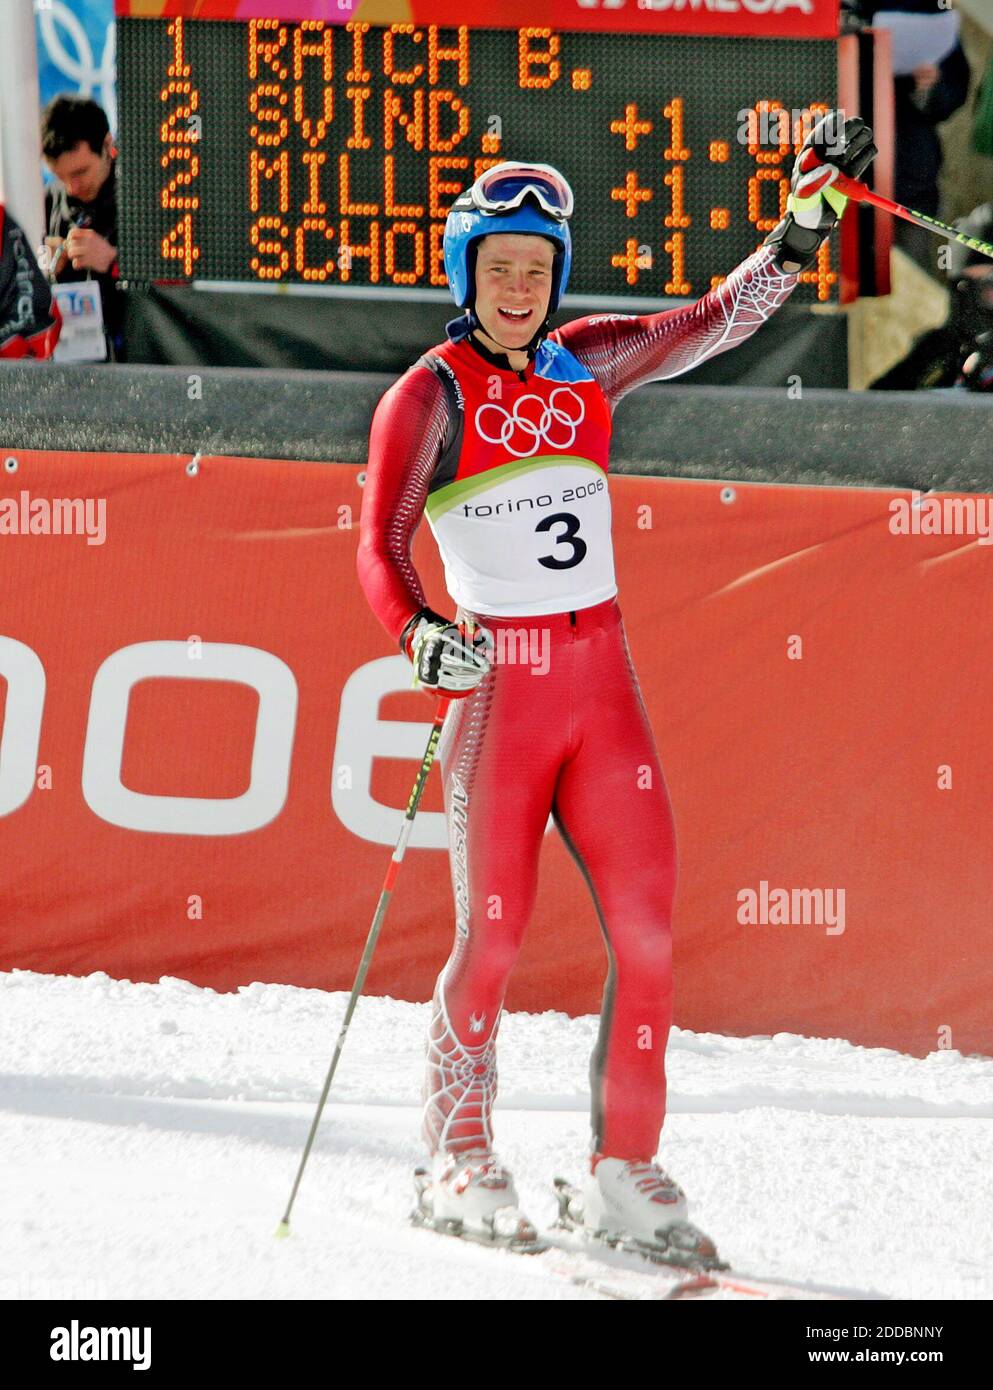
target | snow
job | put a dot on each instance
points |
(150, 1134)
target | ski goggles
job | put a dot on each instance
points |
(505, 186)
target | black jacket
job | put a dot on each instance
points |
(63, 212)
(918, 145)
(29, 322)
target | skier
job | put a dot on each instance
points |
(500, 436)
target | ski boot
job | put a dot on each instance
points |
(472, 1196)
(635, 1206)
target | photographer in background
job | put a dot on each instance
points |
(925, 95)
(29, 318)
(81, 207)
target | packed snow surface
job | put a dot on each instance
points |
(149, 1137)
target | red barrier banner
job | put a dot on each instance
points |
(795, 19)
(206, 745)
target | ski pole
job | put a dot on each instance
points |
(860, 194)
(283, 1229)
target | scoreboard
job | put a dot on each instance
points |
(328, 154)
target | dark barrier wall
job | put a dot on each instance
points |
(170, 325)
(937, 440)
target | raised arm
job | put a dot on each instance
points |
(407, 434)
(624, 351)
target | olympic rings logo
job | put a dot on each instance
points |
(516, 427)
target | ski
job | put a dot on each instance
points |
(660, 1278)
(635, 1286)
(578, 1266)
(617, 1268)
(558, 1255)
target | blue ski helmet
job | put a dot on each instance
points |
(509, 197)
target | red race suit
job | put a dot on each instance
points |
(510, 469)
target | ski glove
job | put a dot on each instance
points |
(813, 206)
(448, 658)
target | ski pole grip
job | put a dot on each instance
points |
(851, 188)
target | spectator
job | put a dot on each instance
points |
(923, 98)
(81, 207)
(29, 318)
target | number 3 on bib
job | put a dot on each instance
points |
(570, 536)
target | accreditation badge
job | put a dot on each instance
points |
(82, 338)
